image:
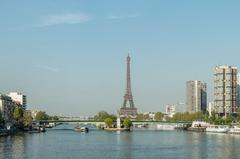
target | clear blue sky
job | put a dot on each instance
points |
(68, 56)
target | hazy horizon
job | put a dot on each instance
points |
(69, 57)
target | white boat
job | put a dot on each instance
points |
(198, 126)
(217, 129)
(81, 129)
(234, 130)
(165, 127)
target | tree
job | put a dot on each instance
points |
(27, 119)
(17, 113)
(238, 117)
(102, 115)
(145, 117)
(158, 116)
(108, 122)
(189, 116)
(127, 123)
(41, 115)
(229, 119)
(1, 119)
(140, 117)
(55, 117)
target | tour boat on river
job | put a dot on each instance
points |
(198, 126)
(81, 129)
(234, 130)
(217, 129)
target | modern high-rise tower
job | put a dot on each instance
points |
(130, 111)
(238, 90)
(196, 96)
(225, 90)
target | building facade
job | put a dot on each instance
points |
(196, 96)
(6, 107)
(170, 110)
(238, 90)
(210, 108)
(34, 113)
(19, 98)
(225, 90)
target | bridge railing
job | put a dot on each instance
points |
(95, 121)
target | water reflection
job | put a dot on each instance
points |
(196, 145)
(125, 145)
(12, 147)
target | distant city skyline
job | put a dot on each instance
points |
(68, 57)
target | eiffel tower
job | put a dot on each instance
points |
(130, 111)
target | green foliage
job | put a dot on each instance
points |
(238, 109)
(41, 115)
(101, 116)
(140, 117)
(27, 119)
(188, 117)
(108, 122)
(1, 119)
(238, 117)
(158, 116)
(127, 123)
(145, 117)
(214, 119)
(229, 119)
(18, 113)
(53, 117)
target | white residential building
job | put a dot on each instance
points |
(170, 110)
(19, 98)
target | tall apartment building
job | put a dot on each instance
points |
(238, 90)
(6, 107)
(225, 89)
(19, 98)
(196, 96)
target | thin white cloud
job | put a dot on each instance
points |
(63, 19)
(47, 68)
(120, 17)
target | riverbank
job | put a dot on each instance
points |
(14, 130)
(116, 129)
(3, 132)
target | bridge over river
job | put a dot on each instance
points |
(92, 122)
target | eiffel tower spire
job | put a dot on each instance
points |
(128, 98)
(128, 95)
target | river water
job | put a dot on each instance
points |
(63, 143)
